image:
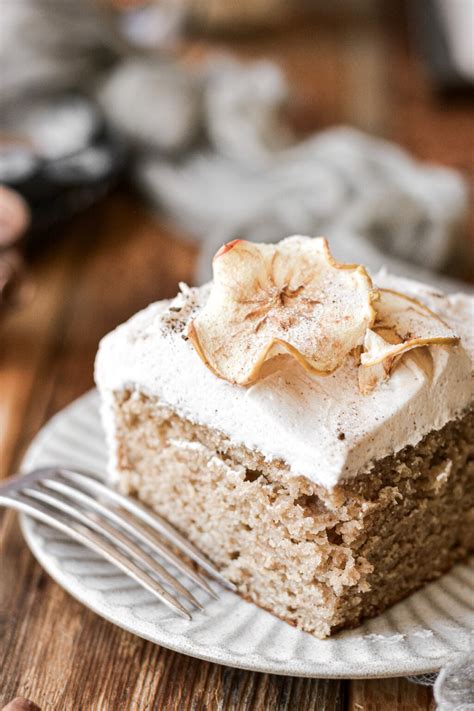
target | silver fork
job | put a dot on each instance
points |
(79, 504)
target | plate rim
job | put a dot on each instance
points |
(399, 669)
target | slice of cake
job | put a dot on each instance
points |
(310, 431)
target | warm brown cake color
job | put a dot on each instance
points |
(321, 560)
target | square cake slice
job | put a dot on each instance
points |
(322, 503)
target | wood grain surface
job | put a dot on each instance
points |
(112, 261)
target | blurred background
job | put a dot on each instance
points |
(137, 136)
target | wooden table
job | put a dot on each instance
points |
(112, 261)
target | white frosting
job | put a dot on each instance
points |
(322, 427)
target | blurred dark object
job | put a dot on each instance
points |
(60, 156)
(20, 704)
(14, 217)
(15, 289)
(443, 30)
(14, 221)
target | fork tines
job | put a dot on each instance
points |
(118, 528)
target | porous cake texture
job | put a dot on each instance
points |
(319, 559)
(331, 525)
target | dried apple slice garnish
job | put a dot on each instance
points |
(290, 297)
(402, 324)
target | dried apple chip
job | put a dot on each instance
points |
(402, 324)
(291, 297)
(410, 323)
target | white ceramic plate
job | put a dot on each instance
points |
(418, 635)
